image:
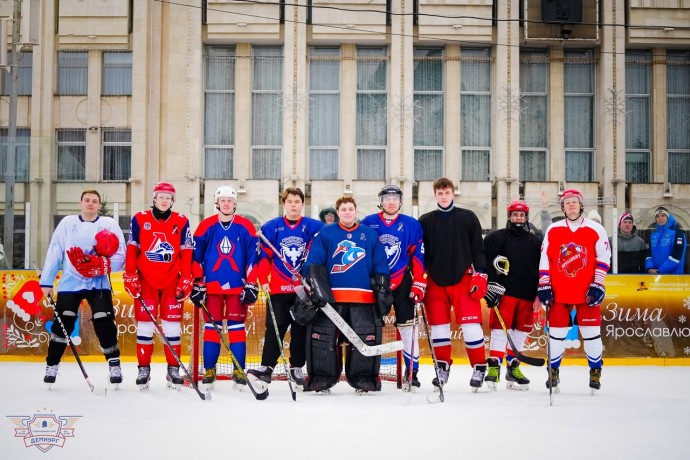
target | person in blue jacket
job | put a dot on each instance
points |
(667, 246)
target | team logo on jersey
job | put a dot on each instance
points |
(225, 252)
(351, 254)
(160, 250)
(392, 246)
(571, 258)
(292, 249)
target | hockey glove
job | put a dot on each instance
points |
(478, 285)
(132, 284)
(595, 294)
(303, 310)
(88, 266)
(184, 288)
(76, 256)
(381, 285)
(250, 293)
(320, 289)
(494, 292)
(417, 291)
(545, 294)
(198, 295)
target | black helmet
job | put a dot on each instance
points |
(391, 190)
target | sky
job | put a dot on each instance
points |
(641, 412)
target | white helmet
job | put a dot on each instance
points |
(224, 191)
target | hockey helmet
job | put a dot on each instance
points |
(391, 190)
(163, 187)
(224, 191)
(107, 243)
(572, 193)
(518, 205)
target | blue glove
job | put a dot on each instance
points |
(494, 292)
(545, 294)
(250, 293)
(595, 294)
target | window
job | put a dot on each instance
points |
(324, 113)
(475, 104)
(534, 84)
(23, 74)
(117, 154)
(71, 154)
(117, 73)
(427, 134)
(219, 113)
(267, 115)
(578, 123)
(371, 123)
(72, 73)
(678, 102)
(637, 119)
(21, 154)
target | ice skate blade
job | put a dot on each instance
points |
(475, 389)
(493, 386)
(173, 386)
(209, 386)
(593, 391)
(113, 386)
(238, 386)
(516, 386)
(434, 398)
(407, 388)
(322, 392)
(143, 386)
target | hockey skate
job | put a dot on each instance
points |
(443, 374)
(554, 380)
(51, 375)
(515, 379)
(209, 379)
(175, 382)
(115, 372)
(143, 377)
(493, 375)
(477, 379)
(297, 375)
(595, 380)
(262, 373)
(239, 382)
(411, 385)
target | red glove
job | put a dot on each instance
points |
(184, 288)
(132, 284)
(94, 266)
(478, 285)
(417, 290)
(76, 256)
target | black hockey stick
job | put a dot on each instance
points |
(261, 395)
(441, 397)
(532, 361)
(280, 345)
(192, 379)
(548, 354)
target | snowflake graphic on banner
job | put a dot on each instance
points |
(682, 319)
(686, 303)
(686, 350)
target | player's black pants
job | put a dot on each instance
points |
(103, 317)
(281, 307)
(324, 356)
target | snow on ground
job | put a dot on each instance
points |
(640, 413)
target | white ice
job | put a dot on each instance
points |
(640, 413)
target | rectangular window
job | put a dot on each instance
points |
(21, 154)
(475, 104)
(71, 154)
(72, 73)
(578, 122)
(428, 108)
(324, 113)
(372, 102)
(678, 103)
(534, 92)
(267, 113)
(23, 74)
(117, 73)
(117, 154)
(219, 113)
(638, 86)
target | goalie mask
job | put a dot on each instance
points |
(107, 243)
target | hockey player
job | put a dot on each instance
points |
(401, 236)
(87, 247)
(291, 234)
(158, 269)
(225, 259)
(346, 265)
(516, 248)
(575, 258)
(667, 246)
(455, 263)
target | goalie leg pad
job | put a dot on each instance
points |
(324, 362)
(362, 372)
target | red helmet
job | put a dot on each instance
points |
(163, 187)
(570, 194)
(107, 243)
(518, 205)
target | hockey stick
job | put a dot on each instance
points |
(280, 345)
(355, 340)
(415, 320)
(548, 354)
(192, 380)
(441, 396)
(258, 395)
(94, 389)
(532, 361)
